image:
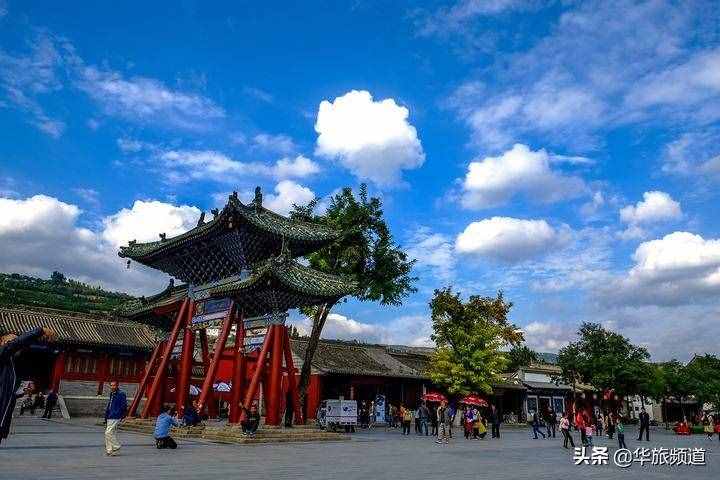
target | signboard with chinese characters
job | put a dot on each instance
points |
(211, 312)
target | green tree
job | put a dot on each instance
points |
(677, 381)
(704, 376)
(520, 356)
(57, 277)
(366, 253)
(470, 337)
(608, 360)
(652, 383)
(569, 361)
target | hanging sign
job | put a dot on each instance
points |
(211, 312)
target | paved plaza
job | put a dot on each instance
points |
(60, 450)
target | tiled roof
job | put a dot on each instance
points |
(277, 284)
(303, 236)
(80, 329)
(348, 358)
(144, 305)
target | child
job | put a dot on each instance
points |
(589, 434)
(621, 433)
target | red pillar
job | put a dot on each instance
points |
(58, 371)
(238, 370)
(217, 353)
(259, 366)
(312, 398)
(211, 404)
(292, 383)
(182, 383)
(272, 414)
(103, 372)
(149, 368)
(160, 374)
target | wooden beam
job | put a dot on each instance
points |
(259, 366)
(217, 353)
(274, 390)
(238, 369)
(182, 383)
(292, 381)
(156, 384)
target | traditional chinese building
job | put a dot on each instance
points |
(241, 277)
(89, 351)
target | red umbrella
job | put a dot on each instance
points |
(474, 400)
(434, 397)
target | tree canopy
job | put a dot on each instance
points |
(470, 337)
(367, 253)
(604, 359)
(520, 356)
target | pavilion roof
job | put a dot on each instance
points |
(237, 237)
(80, 329)
(278, 284)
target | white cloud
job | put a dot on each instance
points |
(694, 153)
(373, 139)
(547, 336)
(275, 143)
(180, 166)
(148, 100)
(24, 79)
(297, 167)
(287, 194)
(595, 69)
(493, 181)
(689, 84)
(41, 234)
(679, 269)
(433, 251)
(510, 240)
(404, 330)
(655, 207)
(146, 220)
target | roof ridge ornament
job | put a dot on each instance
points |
(258, 197)
(215, 213)
(201, 220)
(163, 237)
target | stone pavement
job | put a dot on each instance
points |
(60, 450)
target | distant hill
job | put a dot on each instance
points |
(57, 292)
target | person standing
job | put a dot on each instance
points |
(50, 403)
(424, 414)
(443, 420)
(600, 424)
(644, 425)
(621, 433)
(165, 421)
(407, 416)
(495, 421)
(10, 346)
(551, 422)
(610, 425)
(536, 425)
(114, 413)
(580, 423)
(468, 421)
(565, 430)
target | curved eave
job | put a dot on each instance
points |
(293, 276)
(265, 220)
(146, 305)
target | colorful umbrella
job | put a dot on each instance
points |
(434, 397)
(474, 400)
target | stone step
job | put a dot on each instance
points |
(233, 434)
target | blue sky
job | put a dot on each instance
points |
(563, 152)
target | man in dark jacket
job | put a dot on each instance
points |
(495, 421)
(10, 346)
(50, 403)
(114, 413)
(644, 425)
